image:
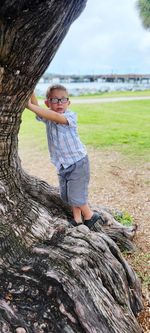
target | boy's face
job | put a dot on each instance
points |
(58, 101)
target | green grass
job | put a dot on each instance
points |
(121, 126)
(125, 218)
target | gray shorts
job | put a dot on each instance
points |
(74, 181)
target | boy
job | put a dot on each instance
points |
(67, 152)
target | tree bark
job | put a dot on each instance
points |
(53, 278)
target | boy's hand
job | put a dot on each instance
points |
(34, 99)
(29, 103)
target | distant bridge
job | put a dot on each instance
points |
(139, 78)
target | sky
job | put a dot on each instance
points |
(107, 38)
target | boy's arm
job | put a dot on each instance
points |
(47, 113)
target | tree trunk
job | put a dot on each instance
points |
(53, 278)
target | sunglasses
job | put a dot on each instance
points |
(63, 100)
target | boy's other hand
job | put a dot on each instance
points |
(34, 99)
(29, 103)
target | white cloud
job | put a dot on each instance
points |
(108, 36)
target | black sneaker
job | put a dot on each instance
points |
(91, 222)
(73, 223)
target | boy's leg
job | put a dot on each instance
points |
(77, 190)
(85, 210)
(89, 216)
(77, 214)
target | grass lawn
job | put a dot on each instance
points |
(121, 126)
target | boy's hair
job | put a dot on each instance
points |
(53, 87)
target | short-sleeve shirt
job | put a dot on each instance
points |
(64, 144)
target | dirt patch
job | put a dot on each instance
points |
(116, 182)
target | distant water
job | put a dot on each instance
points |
(78, 88)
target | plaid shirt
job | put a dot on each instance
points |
(64, 143)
